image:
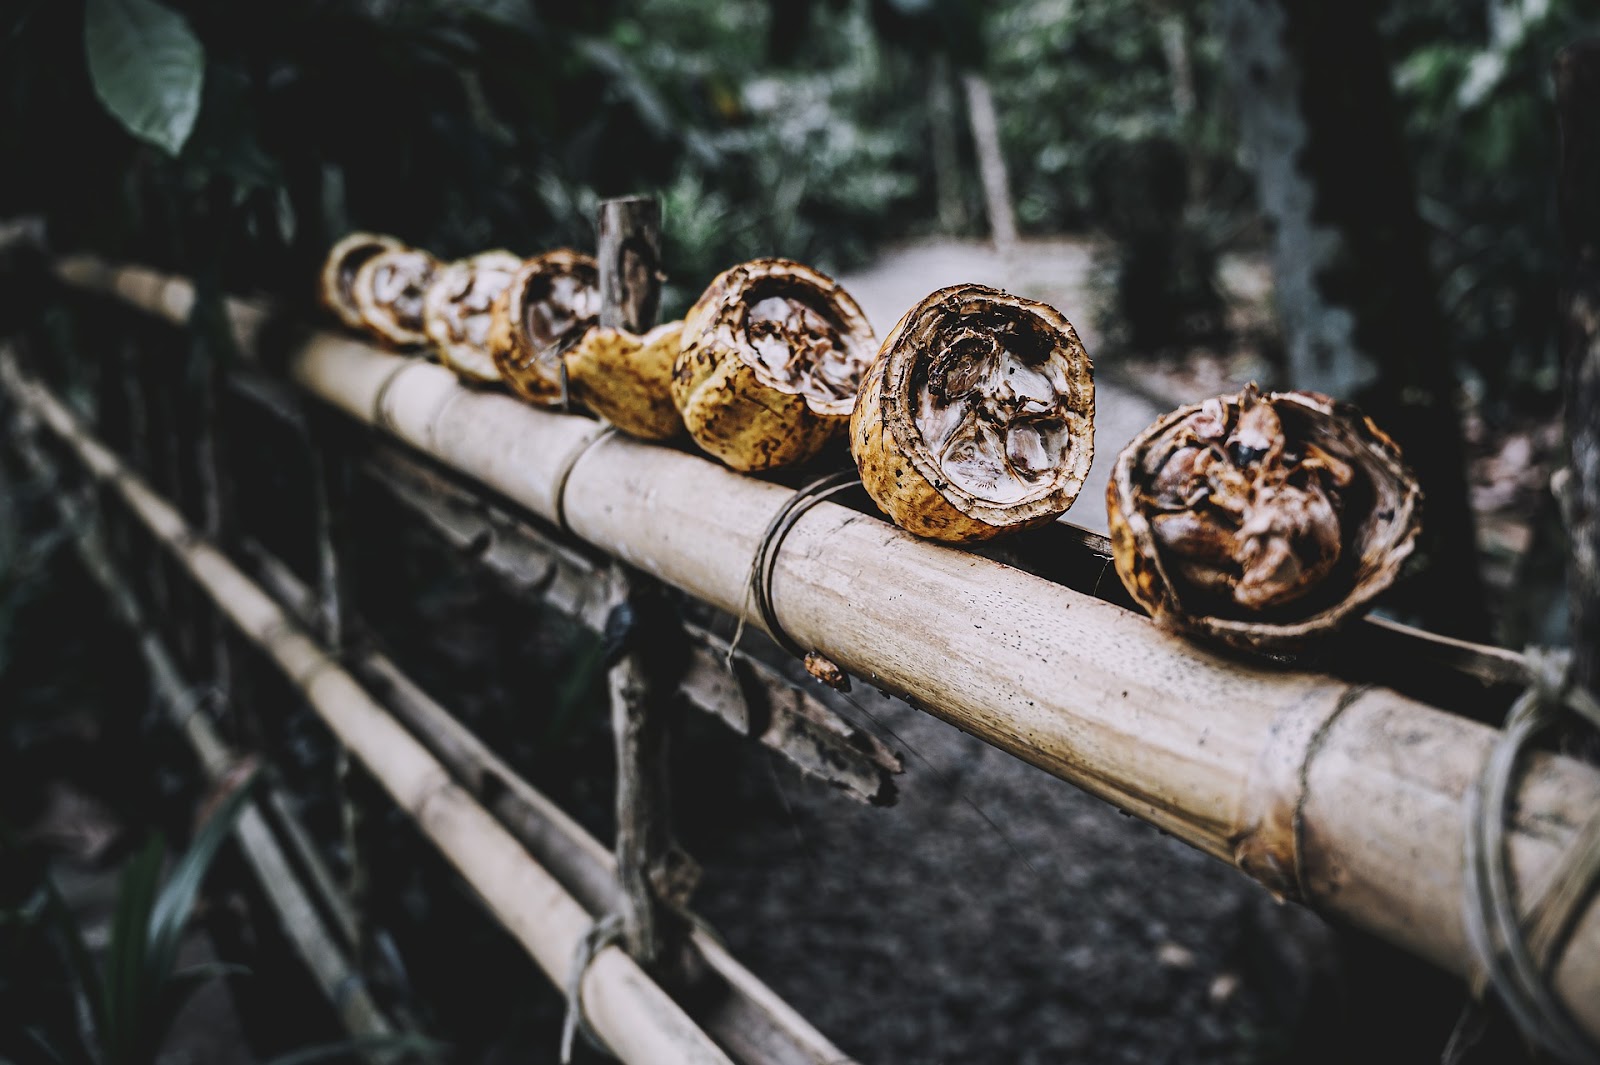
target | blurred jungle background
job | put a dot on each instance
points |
(1357, 198)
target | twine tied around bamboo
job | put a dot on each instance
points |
(758, 588)
(604, 932)
(1516, 955)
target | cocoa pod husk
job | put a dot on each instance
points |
(548, 307)
(389, 291)
(977, 417)
(335, 287)
(771, 359)
(627, 379)
(1261, 520)
(458, 311)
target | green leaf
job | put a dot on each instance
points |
(147, 67)
(171, 911)
(126, 995)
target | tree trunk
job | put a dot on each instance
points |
(1577, 76)
(991, 161)
(1356, 297)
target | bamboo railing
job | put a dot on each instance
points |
(1344, 796)
(299, 916)
(637, 1020)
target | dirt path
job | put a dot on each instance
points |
(1058, 272)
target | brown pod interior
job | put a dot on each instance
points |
(339, 269)
(458, 311)
(390, 289)
(771, 360)
(1262, 519)
(551, 302)
(988, 398)
(803, 335)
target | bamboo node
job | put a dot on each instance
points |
(1268, 844)
(565, 473)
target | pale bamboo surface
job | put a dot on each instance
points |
(751, 1021)
(809, 726)
(638, 1021)
(1350, 798)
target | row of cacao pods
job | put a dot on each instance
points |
(1258, 519)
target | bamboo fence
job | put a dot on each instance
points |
(637, 1020)
(1345, 796)
(299, 916)
(765, 695)
(750, 1021)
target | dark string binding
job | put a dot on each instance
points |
(1517, 955)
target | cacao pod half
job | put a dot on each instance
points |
(389, 290)
(772, 356)
(456, 314)
(977, 417)
(1261, 520)
(551, 302)
(339, 269)
(627, 379)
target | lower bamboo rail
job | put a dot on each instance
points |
(298, 915)
(1347, 797)
(750, 1020)
(638, 1021)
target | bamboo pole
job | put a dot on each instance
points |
(767, 696)
(340, 982)
(785, 711)
(635, 1017)
(1347, 797)
(750, 1021)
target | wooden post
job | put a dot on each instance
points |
(328, 486)
(215, 488)
(641, 623)
(1577, 76)
(991, 161)
(942, 126)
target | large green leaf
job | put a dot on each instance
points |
(147, 67)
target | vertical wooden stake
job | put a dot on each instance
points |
(991, 161)
(214, 489)
(649, 869)
(328, 488)
(1577, 76)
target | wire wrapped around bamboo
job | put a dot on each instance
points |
(1347, 796)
